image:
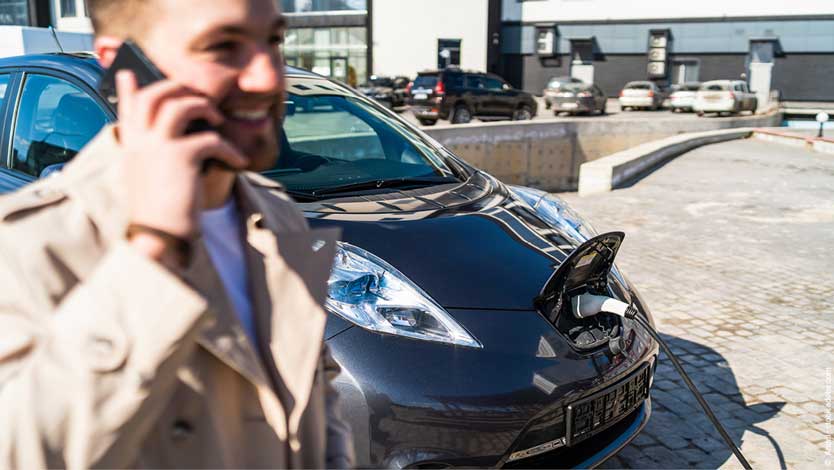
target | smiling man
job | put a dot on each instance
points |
(154, 314)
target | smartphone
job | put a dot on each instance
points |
(131, 57)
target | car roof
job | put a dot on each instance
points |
(565, 78)
(82, 63)
(449, 70)
(720, 82)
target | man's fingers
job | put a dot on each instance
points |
(149, 99)
(206, 145)
(176, 114)
(125, 89)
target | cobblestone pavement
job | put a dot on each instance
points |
(732, 245)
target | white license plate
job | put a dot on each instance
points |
(569, 105)
(420, 96)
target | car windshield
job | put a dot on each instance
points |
(559, 82)
(575, 87)
(381, 81)
(638, 86)
(425, 81)
(334, 139)
(715, 87)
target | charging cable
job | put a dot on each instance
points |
(588, 305)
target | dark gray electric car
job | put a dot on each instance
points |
(450, 301)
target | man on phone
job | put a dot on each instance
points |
(152, 313)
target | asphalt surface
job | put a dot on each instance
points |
(731, 245)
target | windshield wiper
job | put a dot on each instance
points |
(385, 183)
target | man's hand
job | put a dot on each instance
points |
(162, 164)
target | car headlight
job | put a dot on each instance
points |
(556, 212)
(374, 295)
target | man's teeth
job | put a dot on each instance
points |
(249, 115)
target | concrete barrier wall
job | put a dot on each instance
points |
(548, 154)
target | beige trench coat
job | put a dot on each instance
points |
(109, 360)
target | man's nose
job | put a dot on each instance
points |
(262, 74)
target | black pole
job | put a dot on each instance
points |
(819, 134)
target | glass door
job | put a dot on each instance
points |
(339, 69)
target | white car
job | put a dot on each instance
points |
(640, 95)
(683, 97)
(725, 96)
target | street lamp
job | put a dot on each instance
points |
(822, 117)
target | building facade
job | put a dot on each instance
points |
(330, 37)
(429, 34)
(784, 46)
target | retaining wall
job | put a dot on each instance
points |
(548, 154)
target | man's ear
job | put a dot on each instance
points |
(106, 49)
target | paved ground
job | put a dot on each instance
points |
(733, 247)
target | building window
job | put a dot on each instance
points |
(582, 51)
(338, 52)
(312, 6)
(762, 52)
(685, 70)
(448, 53)
(68, 9)
(14, 12)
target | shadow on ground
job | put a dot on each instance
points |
(679, 435)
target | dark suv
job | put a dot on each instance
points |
(459, 96)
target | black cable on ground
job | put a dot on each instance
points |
(694, 390)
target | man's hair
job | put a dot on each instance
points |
(118, 17)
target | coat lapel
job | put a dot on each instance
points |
(226, 338)
(288, 288)
(104, 201)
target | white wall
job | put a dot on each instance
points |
(19, 40)
(405, 34)
(594, 10)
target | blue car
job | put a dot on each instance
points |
(449, 301)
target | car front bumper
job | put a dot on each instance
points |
(414, 403)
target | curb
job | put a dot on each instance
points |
(621, 168)
(817, 144)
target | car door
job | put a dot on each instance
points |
(749, 97)
(54, 119)
(9, 79)
(475, 94)
(599, 98)
(502, 99)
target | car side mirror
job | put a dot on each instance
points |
(51, 169)
(506, 87)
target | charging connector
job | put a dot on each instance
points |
(587, 305)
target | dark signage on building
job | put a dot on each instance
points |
(658, 53)
(546, 41)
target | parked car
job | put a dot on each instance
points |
(683, 96)
(459, 96)
(725, 96)
(441, 305)
(575, 98)
(553, 87)
(390, 92)
(640, 95)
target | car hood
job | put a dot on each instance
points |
(468, 246)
